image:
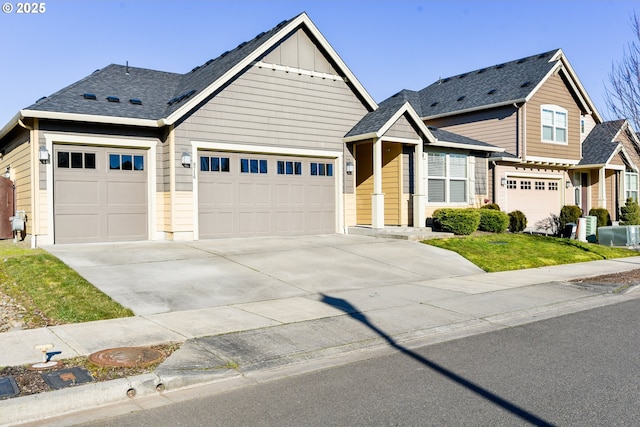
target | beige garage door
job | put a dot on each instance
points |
(100, 194)
(538, 198)
(264, 195)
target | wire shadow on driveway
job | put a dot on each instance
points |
(522, 413)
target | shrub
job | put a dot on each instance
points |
(457, 221)
(493, 206)
(517, 221)
(550, 225)
(603, 216)
(492, 220)
(569, 213)
(630, 213)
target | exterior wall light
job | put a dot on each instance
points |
(43, 154)
(349, 168)
(7, 173)
(568, 184)
(186, 159)
(503, 181)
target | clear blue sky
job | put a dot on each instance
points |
(389, 45)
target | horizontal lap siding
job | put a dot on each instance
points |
(630, 149)
(554, 92)
(274, 108)
(402, 129)
(496, 126)
(18, 158)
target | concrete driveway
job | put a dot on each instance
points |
(161, 277)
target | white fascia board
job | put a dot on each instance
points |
(407, 108)
(506, 159)
(356, 138)
(9, 126)
(574, 78)
(542, 81)
(90, 118)
(250, 59)
(474, 109)
(616, 151)
(552, 160)
(441, 143)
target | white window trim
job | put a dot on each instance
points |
(447, 179)
(631, 174)
(554, 109)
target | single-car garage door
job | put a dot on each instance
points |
(100, 194)
(537, 198)
(264, 195)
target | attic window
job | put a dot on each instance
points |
(113, 99)
(89, 96)
(525, 84)
(491, 92)
(135, 101)
(434, 104)
(461, 98)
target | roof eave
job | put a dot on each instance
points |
(89, 118)
(447, 144)
(10, 125)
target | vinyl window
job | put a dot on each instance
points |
(554, 124)
(447, 178)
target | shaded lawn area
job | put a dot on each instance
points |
(506, 251)
(50, 291)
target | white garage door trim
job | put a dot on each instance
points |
(258, 149)
(57, 138)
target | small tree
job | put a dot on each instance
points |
(630, 213)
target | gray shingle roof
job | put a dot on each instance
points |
(599, 145)
(498, 84)
(446, 136)
(373, 121)
(161, 93)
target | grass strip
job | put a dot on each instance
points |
(506, 251)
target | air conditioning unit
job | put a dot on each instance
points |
(622, 235)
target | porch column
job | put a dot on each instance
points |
(377, 197)
(419, 199)
(602, 189)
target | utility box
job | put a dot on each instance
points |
(591, 224)
(623, 235)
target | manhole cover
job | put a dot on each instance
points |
(67, 377)
(8, 387)
(126, 357)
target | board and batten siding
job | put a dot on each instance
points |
(496, 126)
(555, 92)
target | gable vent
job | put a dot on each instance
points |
(135, 101)
(525, 84)
(491, 92)
(462, 98)
(89, 96)
(113, 99)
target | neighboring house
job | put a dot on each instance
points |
(536, 109)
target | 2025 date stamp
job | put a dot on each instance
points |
(24, 8)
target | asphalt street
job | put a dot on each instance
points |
(578, 369)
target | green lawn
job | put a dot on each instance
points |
(502, 252)
(42, 283)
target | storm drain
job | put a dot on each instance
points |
(8, 387)
(126, 357)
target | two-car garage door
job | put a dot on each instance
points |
(264, 195)
(100, 194)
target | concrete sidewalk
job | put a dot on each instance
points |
(235, 340)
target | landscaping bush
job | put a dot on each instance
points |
(494, 221)
(550, 225)
(603, 216)
(569, 213)
(457, 221)
(493, 206)
(517, 221)
(630, 213)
